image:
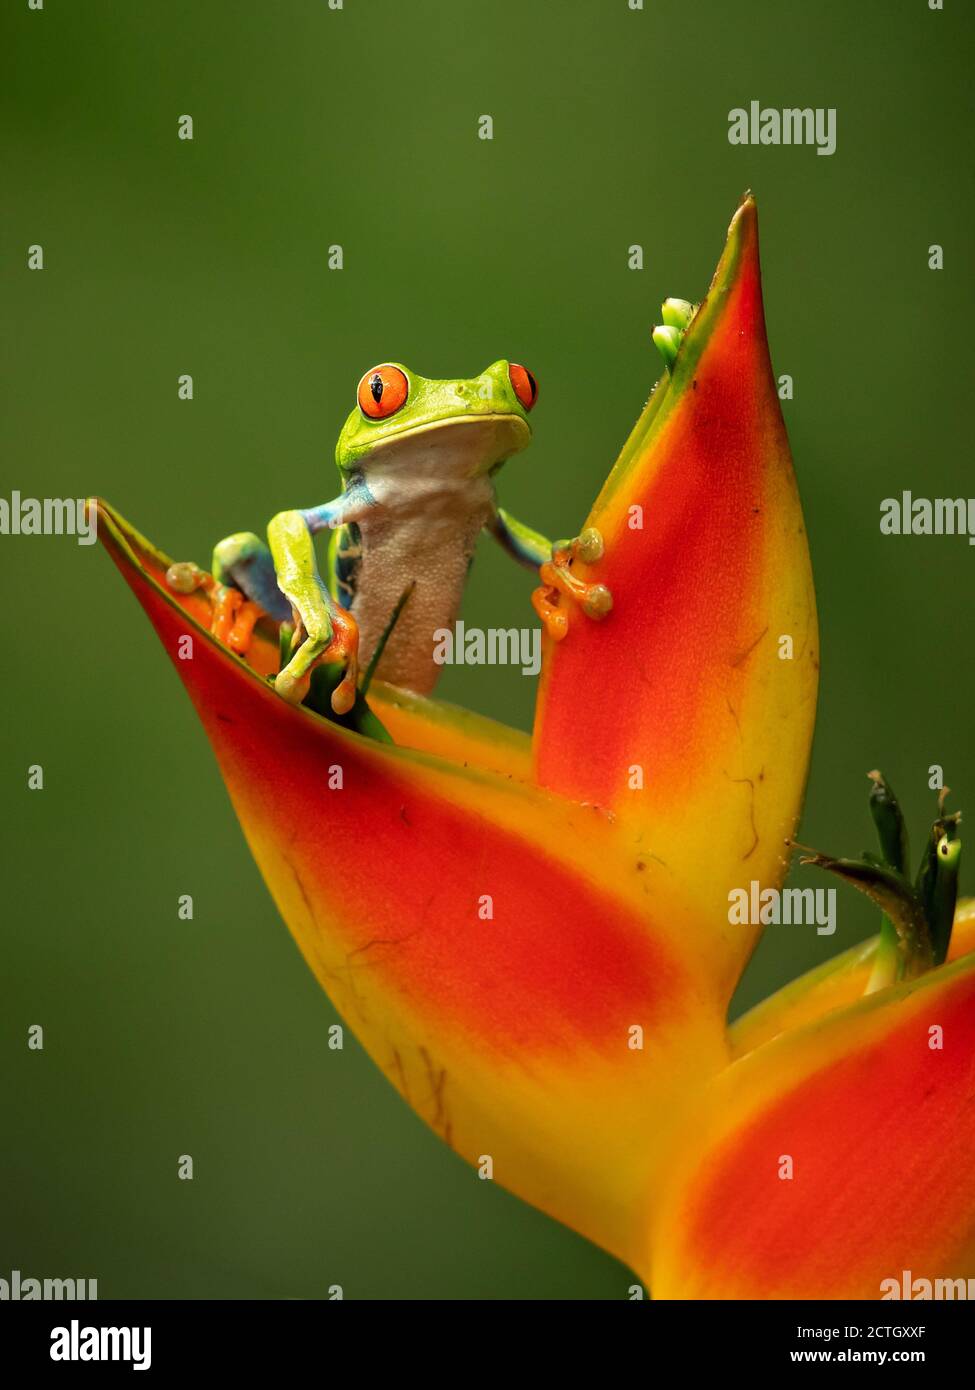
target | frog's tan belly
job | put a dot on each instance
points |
(435, 555)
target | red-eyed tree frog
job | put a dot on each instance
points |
(417, 460)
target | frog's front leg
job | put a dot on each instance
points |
(553, 560)
(329, 631)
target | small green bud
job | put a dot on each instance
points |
(668, 339)
(677, 313)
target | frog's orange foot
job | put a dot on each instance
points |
(308, 650)
(249, 614)
(557, 578)
(234, 618)
(344, 647)
(545, 601)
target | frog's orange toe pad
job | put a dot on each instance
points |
(227, 603)
(344, 647)
(545, 602)
(597, 601)
(247, 617)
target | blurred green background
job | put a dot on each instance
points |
(162, 257)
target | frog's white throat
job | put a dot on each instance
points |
(459, 448)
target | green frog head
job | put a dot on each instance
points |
(470, 425)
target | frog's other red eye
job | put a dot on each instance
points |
(526, 387)
(382, 391)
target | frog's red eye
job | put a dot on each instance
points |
(382, 391)
(526, 387)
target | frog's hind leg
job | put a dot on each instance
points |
(246, 589)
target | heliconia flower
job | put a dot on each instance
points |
(531, 936)
(835, 1157)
